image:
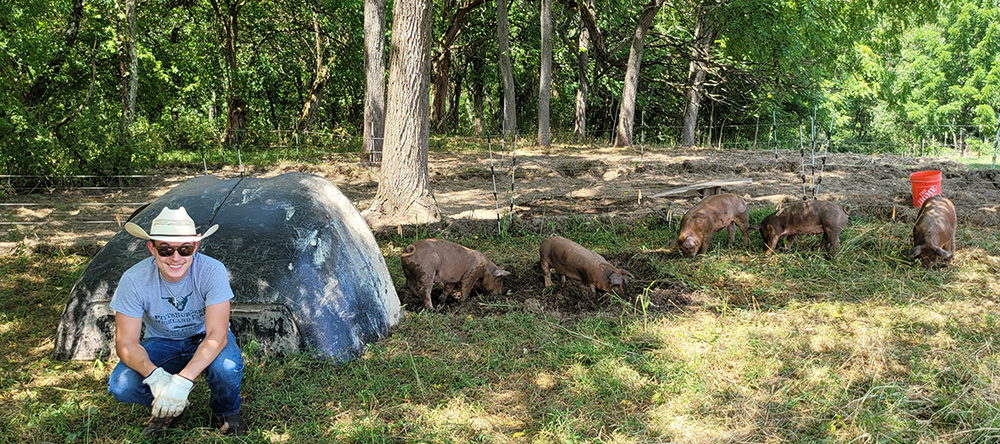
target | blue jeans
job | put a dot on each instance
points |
(223, 375)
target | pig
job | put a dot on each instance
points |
(430, 261)
(571, 259)
(708, 216)
(934, 232)
(807, 217)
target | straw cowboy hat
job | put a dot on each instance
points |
(170, 226)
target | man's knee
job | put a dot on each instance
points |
(126, 386)
(227, 368)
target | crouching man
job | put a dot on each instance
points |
(182, 298)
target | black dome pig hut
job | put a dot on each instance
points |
(304, 267)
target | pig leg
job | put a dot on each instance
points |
(732, 232)
(704, 245)
(743, 221)
(833, 236)
(448, 290)
(468, 281)
(789, 240)
(546, 273)
(414, 287)
(423, 288)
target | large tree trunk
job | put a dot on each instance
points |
(227, 14)
(704, 35)
(545, 75)
(128, 67)
(311, 106)
(506, 71)
(374, 76)
(404, 195)
(583, 87)
(442, 65)
(626, 114)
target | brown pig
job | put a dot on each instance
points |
(934, 232)
(806, 217)
(708, 216)
(430, 261)
(571, 259)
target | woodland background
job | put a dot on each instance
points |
(105, 87)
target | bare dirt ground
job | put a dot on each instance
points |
(548, 186)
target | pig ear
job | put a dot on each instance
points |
(500, 273)
(915, 252)
(625, 275)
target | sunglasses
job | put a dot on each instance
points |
(167, 250)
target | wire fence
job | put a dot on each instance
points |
(504, 171)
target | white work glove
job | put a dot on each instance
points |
(157, 381)
(170, 402)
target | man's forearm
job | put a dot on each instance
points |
(206, 352)
(135, 357)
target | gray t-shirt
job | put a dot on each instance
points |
(173, 310)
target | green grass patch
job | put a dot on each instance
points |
(792, 347)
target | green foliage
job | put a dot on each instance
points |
(879, 75)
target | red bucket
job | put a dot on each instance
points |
(925, 184)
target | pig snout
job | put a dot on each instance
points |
(690, 246)
(616, 283)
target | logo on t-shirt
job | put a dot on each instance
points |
(178, 303)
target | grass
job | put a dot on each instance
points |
(794, 347)
(310, 150)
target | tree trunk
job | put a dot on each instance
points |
(545, 75)
(704, 36)
(374, 76)
(583, 87)
(507, 72)
(589, 17)
(456, 100)
(236, 120)
(477, 92)
(404, 195)
(626, 115)
(227, 15)
(128, 65)
(311, 106)
(442, 84)
(442, 65)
